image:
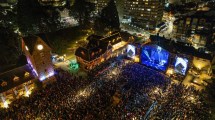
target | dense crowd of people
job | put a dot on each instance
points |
(125, 90)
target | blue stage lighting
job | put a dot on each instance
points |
(154, 56)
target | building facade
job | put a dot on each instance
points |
(197, 28)
(144, 13)
(54, 3)
(100, 4)
(34, 65)
(39, 56)
(98, 50)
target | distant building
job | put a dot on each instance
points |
(146, 13)
(182, 1)
(7, 4)
(199, 26)
(54, 3)
(39, 56)
(187, 1)
(99, 49)
(100, 4)
(199, 60)
(33, 65)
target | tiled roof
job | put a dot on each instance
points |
(20, 62)
(30, 42)
(97, 46)
(8, 77)
(90, 54)
(111, 37)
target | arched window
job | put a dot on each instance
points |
(3, 84)
(27, 74)
(16, 79)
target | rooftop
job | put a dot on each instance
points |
(15, 77)
(179, 47)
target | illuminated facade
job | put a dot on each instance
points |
(54, 3)
(199, 27)
(144, 13)
(99, 49)
(100, 4)
(34, 64)
(39, 56)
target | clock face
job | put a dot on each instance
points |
(39, 47)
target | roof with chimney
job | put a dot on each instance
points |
(15, 77)
(208, 15)
(97, 46)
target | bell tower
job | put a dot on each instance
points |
(38, 55)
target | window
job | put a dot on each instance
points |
(3, 84)
(16, 79)
(42, 55)
(27, 74)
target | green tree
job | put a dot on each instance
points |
(108, 19)
(32, 17)
(82, 11)
(10, 45)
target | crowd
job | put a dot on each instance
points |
(123, 91)
(46, 103)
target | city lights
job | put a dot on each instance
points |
(6, 104)
(43, 77)
(107, 59)
(27, 93)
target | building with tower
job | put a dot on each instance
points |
(99, 49)
(33, 66)
(38, 54)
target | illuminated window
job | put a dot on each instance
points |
(42, 55)
(100, 50)
(148, 9)
(16, 79)
(27, 74)
(4, 84)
